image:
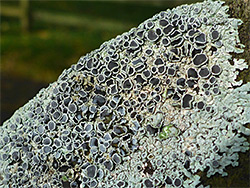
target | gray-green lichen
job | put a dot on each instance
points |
(150, 108)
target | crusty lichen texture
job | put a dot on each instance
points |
(150, 108)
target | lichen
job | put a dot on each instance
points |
(151, 108)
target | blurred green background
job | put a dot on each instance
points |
(34, 54)
(57, 34)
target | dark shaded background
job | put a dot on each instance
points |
(32, 59)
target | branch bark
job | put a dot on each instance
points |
(241, 9)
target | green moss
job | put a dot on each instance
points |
(64, 178)
(165, 132)
(168, 131)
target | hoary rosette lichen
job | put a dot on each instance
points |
(150, 108)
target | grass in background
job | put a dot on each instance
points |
(43, 53)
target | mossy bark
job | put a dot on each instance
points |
(237, 176)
